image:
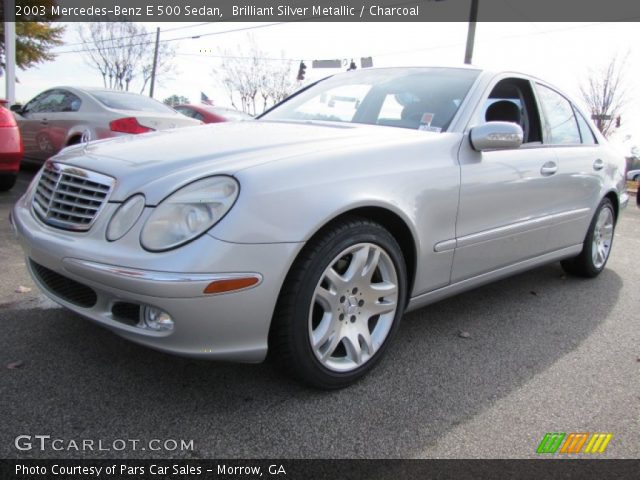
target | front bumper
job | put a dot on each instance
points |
(230, 326)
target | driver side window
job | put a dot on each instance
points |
(512, 100)
(50, 101)
(32, 105)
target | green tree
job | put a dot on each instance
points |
(34, 40)
(175, 100)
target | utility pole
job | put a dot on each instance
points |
(10, 51)
(155, 63)
(471, 33)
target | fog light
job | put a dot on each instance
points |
(157, 320)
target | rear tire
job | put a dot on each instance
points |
(340, 305)
(597, 244)
(7, 181)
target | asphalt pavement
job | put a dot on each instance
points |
(545, 352)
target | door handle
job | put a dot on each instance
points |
(549, 168)
(598, 164)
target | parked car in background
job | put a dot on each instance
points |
(61, 116)
(210, 114)
(310, 231)
(633, 175)
(10, 150)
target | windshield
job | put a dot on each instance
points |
(417, 98)
(130, 101)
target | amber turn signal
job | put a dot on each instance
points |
(229, 285)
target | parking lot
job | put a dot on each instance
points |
(544, 353)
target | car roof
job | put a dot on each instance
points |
(91, 89)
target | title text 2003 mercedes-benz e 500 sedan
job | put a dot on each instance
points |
(310, 231)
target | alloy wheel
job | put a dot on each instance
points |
(353, 307)
(602, 237)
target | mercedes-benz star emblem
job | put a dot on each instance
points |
(85, 139)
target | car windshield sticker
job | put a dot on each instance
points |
(426, 119)
(429, 128)
(425, 123)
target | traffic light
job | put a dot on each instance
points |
(352, 66)
(301, 71)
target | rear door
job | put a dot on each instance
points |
(580, 167)
(507, 197)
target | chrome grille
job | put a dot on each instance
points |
(70, 197)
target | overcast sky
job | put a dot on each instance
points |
(561, 53)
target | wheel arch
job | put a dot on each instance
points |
(74, 139)
(399, 229)
(613, 196)
(397, 226)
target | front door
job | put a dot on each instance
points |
(506, 197)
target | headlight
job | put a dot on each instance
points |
(126, 215)
(189, 212)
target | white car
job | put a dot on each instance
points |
(633, 175)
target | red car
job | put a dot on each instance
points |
(11, 149)
(211, 114)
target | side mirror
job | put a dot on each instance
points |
(16, 107)
(496, 136)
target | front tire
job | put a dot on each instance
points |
(340, 305)
(597, 244)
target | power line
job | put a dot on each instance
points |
(136, 35)
(241, 29)
(238, 57)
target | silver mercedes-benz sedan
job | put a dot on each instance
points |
(309, 232)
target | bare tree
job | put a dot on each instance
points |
(164, 68)
(605, 95)
(249, 75)
(122, 52)
(279, 83)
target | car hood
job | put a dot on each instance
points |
(160, 162)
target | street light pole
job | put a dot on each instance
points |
(10, 51)
(471, 33)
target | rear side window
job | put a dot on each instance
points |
(585, 131)
(70, 103)
(561, 126)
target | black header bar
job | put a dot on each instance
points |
(324, 10)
